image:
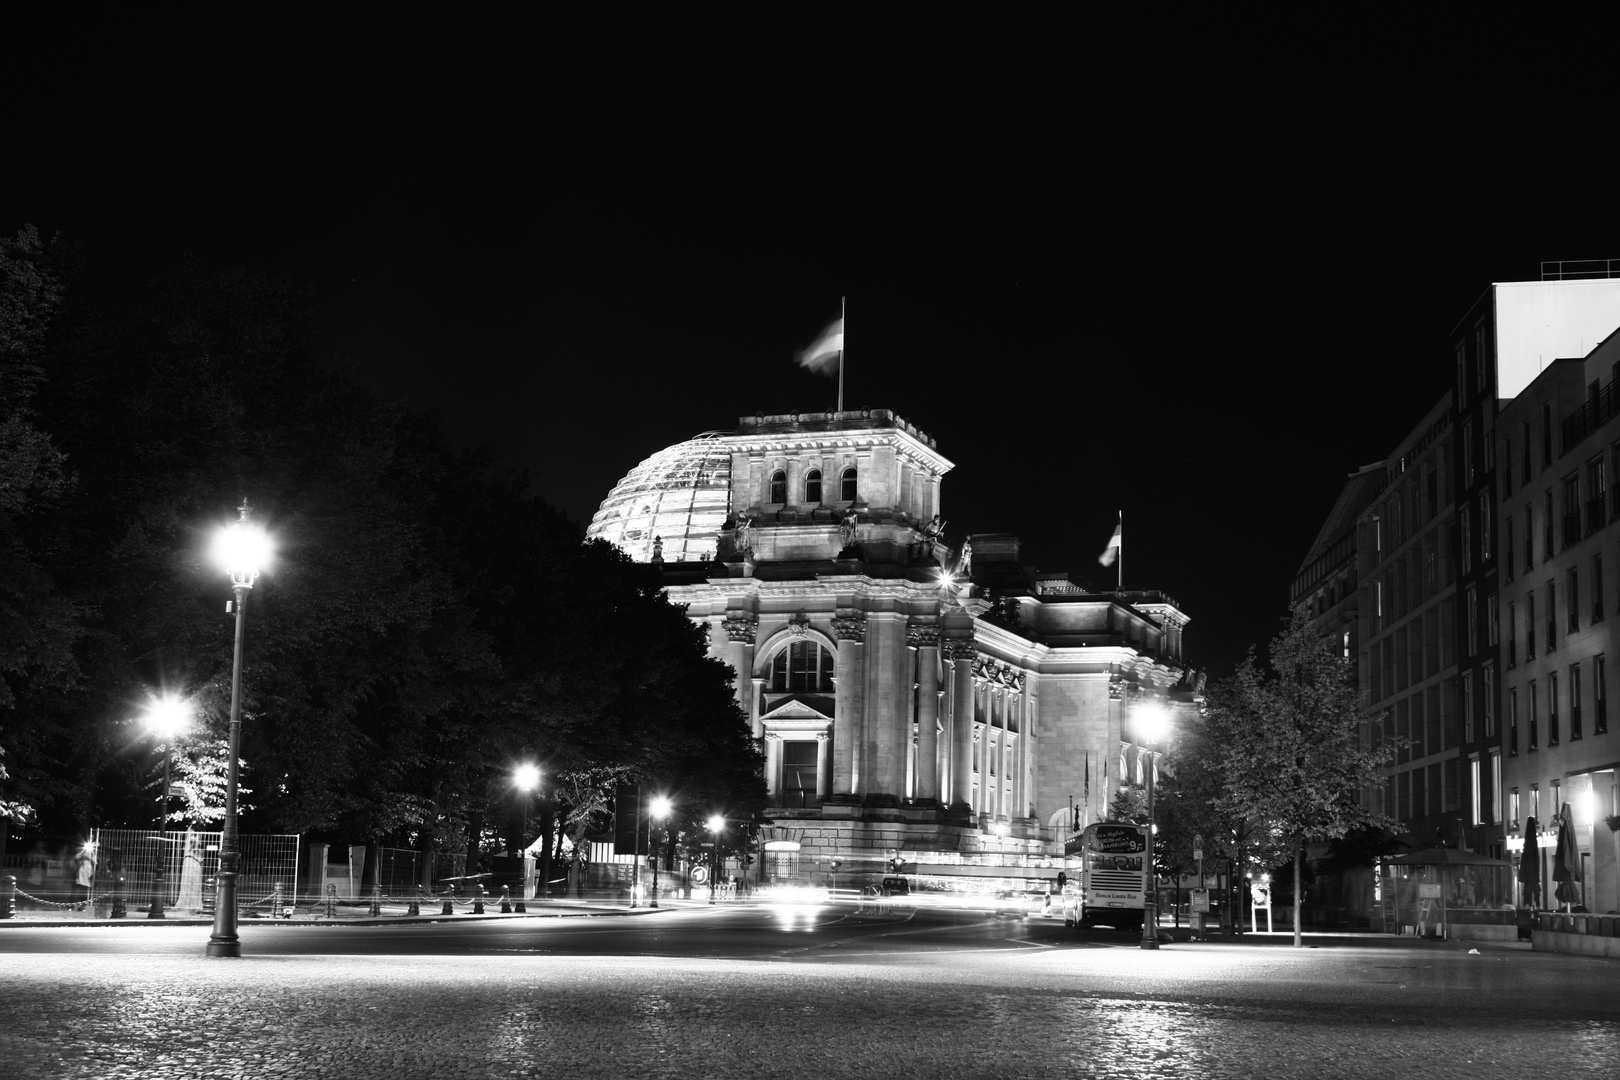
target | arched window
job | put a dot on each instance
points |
(805, 667)
(846, 486)
(812, 487)
(778, 487)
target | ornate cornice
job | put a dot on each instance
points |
(742, 629)
(799, 625)
(958, 648)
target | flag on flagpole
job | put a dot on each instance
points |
(822, 356)
(1111, 552)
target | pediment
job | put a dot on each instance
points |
(793, 709)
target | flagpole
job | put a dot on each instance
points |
(1119, 585)
(842, 302)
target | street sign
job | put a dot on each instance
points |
(1200, 900)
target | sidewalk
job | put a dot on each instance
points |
(353, 913)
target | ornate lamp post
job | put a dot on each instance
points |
(1150, 724)
(243, 549)
(659, 810)
(166, 718)
(526, 778)
(717, 825)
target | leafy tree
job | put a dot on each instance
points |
(1289, 749)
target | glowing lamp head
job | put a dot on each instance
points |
(717, 823)
(1151, 721)
(660, 807)
(526, 777)
(242, 549)
(167, 717)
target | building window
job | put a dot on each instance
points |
(1491, 612)
(812, 487)
(1600, 696)
(846, 486)
(1507, 534)
(1547, 531)
(1495, 802)
(1552, 708)
(1535, 802)
(1529, 626)
(1468, 707)
(1529, 536)
(1507, 465)
(1526, 444)
(1513, 720)
(1572, 510)
(1552, 616)
(1512, 635)
(804, 667)
(1572, 596)
(798, 774)
(1472, 612)
(1574, 702)
(1546, 436)
(1465, 522)
(778, 492)
(1534, 733)
(1513, 806)
(1485, 527)
(1488, 692)
(1473, 784)
(1597, 488)
(1468, 452)
(1597, 588)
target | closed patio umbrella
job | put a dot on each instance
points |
(1530, 865)
(1567, 860)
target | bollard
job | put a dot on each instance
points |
(278, 904)
(478, 899)
(517, 905)
(415, 906)
(115, 863)
(449, 904)
(331, 901)
(8, 898)
(156, 910)
(376, 899)
(506, 900)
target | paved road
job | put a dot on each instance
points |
(746, 992)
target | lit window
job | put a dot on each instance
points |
(803, 666)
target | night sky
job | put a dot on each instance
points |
(1202, 304)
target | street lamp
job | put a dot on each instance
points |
(1150, 723)
(166, 718)
(717, 825)
(242, 549)
(526, 777)
(659, 810)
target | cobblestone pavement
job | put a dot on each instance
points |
(1008, 1013)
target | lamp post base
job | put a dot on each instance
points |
(224, 941)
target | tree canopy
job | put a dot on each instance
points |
(426, 623)
(1289, 751)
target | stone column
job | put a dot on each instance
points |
(823, 780)
(960, 653)
(773, 767)
(926, 640)
(753, 707)
(1009, 778)
(888, 724)
(740, 628)
(1025, 747)
(849, 627)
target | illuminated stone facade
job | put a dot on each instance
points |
(947, 722)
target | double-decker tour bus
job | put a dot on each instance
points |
(1114, 870)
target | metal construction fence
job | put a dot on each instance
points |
(121, 868)
(399, 870)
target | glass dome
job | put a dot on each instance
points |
(681, 494)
